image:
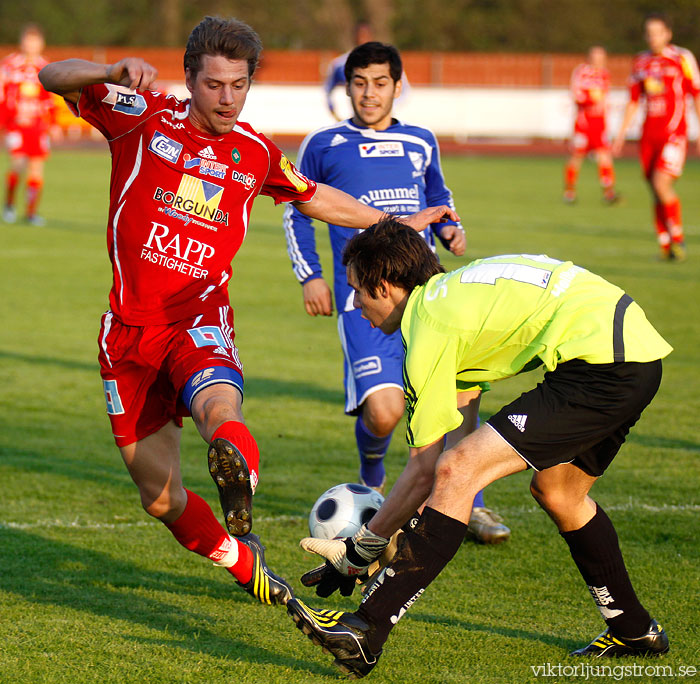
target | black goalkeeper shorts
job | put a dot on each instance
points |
(580, 413)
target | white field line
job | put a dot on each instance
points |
(630, 506)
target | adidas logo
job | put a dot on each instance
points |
(206, 153)
(338, 140)
(519, 421)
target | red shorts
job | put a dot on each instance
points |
(589, 135)
(27, 142)
(663, 154)
(151, 373)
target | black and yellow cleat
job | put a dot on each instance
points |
(678, 252)
(230, 472)
(606, 645)
(264, 585)
(343, 635)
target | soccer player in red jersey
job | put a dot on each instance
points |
(590, 84)
(184, 177)
(664, 75)
(27, 112)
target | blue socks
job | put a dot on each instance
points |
(372, 450)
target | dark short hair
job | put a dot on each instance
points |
(229, 38)
(374, 53)
(391, 251)
(658, 16)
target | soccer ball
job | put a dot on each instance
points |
(342, 510)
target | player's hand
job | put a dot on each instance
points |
(317, 298)
(455, 237)
(617, 146)
(132, 72)
(424, 218)
(350, 556)
(327, 579)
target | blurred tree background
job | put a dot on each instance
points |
(433, 25)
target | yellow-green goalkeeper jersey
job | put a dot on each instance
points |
(500, 316)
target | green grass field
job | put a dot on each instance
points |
(93, 590)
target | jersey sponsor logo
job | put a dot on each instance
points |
(246, 179)
(518, 420)
(195, 196)
(177, 125)
(132, 104)
(206, 166)
(293, 176)
(165, 147)
(125, 100)
(370, 365)
(207, 152)
(176, 253)
(381, 149)
(654, 85)
(388, 198)
(338, 140)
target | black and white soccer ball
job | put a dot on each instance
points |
(342, 510)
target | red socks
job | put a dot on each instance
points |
(34, 186)
(198, 530)
(11, 181)
(606, 175)
(668, 223)
(673, 220)
(239, 435)
(570, 177)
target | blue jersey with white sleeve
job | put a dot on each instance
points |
(396, 170)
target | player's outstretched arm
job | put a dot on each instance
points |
(335, 206)
(66, 78)
(630, 111)
(409, 492)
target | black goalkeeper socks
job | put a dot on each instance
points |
(596, 552)
(423, 552)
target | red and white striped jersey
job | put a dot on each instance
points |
(589, 88)
(665, 80)
(23, 101)
(180, 201)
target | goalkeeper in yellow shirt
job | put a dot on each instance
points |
(490, 320)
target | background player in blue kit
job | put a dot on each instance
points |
(394, 167)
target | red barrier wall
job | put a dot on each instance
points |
(423, 68)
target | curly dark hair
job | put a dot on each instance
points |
(392, 251)
(230, 38)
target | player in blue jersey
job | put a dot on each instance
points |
(394, 167)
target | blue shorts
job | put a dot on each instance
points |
(373, 360)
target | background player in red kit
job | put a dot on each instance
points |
(664, 75)
(590, 84)
(27, 112)
(184, 177)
